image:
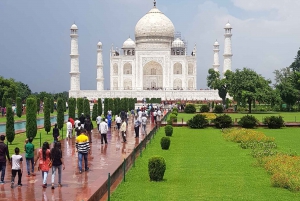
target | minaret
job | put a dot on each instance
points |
(100, 78)
(227, 48)
(216, 64)
(74, 73)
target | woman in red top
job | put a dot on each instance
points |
(44, 160)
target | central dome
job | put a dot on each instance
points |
(154, 27)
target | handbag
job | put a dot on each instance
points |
(50, 163)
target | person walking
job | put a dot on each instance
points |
(3, 152)
(79, 129)
(83, 148)
(137, 124)
(103, 131)
(44, 158)
(144, 123)
(29, 156)
(16, 167)
(88, 126)
(98, 121)
(118, 122)
(69, 129)
(55, 134)
(123, 130)
(82, 118)
(57, 163)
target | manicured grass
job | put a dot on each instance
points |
(287, 116)
(201, 165)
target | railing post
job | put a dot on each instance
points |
(108, 187)
(124, 170)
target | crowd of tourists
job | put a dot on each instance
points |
(47, 159)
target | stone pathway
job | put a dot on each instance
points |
(104, 159)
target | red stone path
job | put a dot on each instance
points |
(103, 160)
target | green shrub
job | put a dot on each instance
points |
(168, 130)
(190, 108)
(47, 121)
(198, 121)
(274, 122)
(94, 114)
(223, 121)
(10, 122)
(169, 122)
(86, 108)
(204, 108)
(165, 143)
(79, 106)
(60, 113)
(218, 109)
(156, 168)
(173, 117)
(248, 121)
(72, 107)
(175, 112)
(31, 127)
(175, 109)
(19, 107)
(99, 109)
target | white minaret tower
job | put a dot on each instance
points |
(100, 78)
(216, 64)
(74, 73)
(227, 48)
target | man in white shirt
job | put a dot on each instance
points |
(76, 122)
(158, 115)
(103, 128)
(144, 123)
(118, 122)
(98, 121)
(69, 129)
(154, 116)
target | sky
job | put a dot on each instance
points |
(35, 35)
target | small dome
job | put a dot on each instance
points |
(178, 43)
(74, 26)
(99, 43)
(216, 43)
(228, 26)
(129, 43)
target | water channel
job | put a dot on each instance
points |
(21, 125)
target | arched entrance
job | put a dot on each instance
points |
(152, 76)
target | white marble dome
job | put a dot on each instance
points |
(154, 25)
(99, 43)
(74, 26)
(178, 43)
(129, 43)
(216, 43)
(228, 26)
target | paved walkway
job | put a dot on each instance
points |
(103, 160)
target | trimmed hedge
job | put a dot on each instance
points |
(204, 108)
(198, 121)
(218, 109)
(47, 121)
(86, 108)
(168, 130)
(60, 113)
(274, 122)
(19, 107)
(10, 122)
(94, 113)
(248, 121)
(165, 143)
(173, 117)
(223, 121)
(190, 108)
(79, 106)
(31, 127)
(156, 168)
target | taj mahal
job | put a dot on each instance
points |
(155, 64)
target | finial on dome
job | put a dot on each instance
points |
(154, 4)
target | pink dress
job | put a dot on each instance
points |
(44, 165)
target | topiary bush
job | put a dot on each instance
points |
(198, 121)
(190, 108)
(169, 122)
(156, 168)
(10, 122)
(248, 121)
(274, 122)
(173, 117)
(165, 143)
(168, 130)
(223, 121)
(175, 112)
(218, 109)
(204, 108)
(175, 109)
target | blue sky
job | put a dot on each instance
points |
(35, 41)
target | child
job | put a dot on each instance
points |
(17, 167)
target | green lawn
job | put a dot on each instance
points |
(287, 116)
(201, 165)
(23, 117)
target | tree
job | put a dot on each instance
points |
(38, 103)
(31, 127)
(111, 105)
(23, 90)
(47, 121)
(86, 107)
(246, 85)
(8, 89)
(10, 123)
(99, 109)
(215, 82)
(60, 113)
(105, 106)
(51, 105)
(79, 106)
(94, 114)
(72, 107)
(19, 106)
